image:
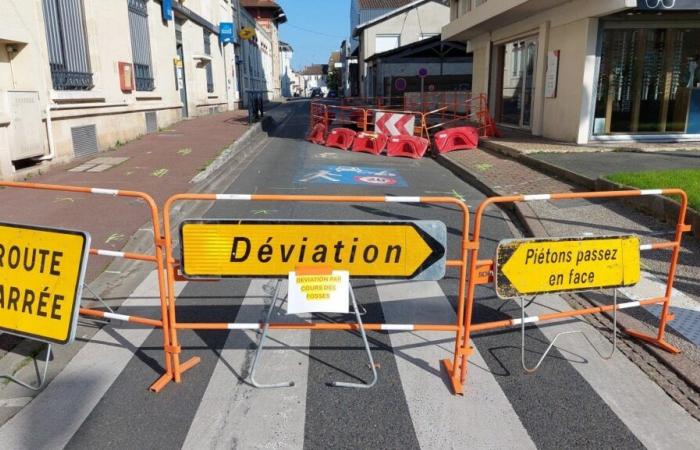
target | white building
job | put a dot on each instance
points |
(286, 72)
(314, 76)
(78, 76)
(410, 23)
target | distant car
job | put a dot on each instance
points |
(316, 92)
(332, 94)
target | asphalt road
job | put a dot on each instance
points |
(572, 401)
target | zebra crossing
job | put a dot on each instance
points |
(99, 400)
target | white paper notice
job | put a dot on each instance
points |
(318, 293)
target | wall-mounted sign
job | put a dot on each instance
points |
(167, 9)
(400, 84)
(552, 75)
(126, 77)
(667, 5)
(246, 33)
(226, 32)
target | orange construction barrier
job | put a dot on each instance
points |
(317, 134)
(408, 146)
(173, 265)
(481, 271)
(373, 143)
(156, 259)
(460, 138)
(341, 138)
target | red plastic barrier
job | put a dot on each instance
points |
(373, 143)
(318, 134)
(340, 138)
(460, 138)
(408, 146)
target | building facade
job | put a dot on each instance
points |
(286, 73)
(81, 76)
(420, 19)
(586, 70)
(268, 15)
(314, 76)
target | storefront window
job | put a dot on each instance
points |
(647, 81)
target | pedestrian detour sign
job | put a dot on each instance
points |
(367, 249)
(41, 276)
(571, 264)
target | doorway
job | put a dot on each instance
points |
(516, 82)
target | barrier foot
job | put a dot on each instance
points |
(653, 340)
(457, 387)
(163, 381)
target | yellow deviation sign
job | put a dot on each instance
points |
(405, 250)
(41, 276)
(539, 266)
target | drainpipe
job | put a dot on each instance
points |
(49, 134)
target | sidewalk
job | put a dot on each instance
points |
(159, 164)
(499, 175)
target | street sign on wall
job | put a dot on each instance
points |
(540, 266)
(234, 248)
(41, 279)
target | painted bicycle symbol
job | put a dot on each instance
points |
(656, 4)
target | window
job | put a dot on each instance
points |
(67, 44)
(385, 42)
(207, 51)
(140, 44)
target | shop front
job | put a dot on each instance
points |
(648, 78)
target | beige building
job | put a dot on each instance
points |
(81, 76)
(410, 23)
(586, 70)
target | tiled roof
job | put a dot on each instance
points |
(382, 4)
(259, 4)
(316, 69)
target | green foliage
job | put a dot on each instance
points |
(686, 179)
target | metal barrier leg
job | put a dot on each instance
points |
(358, 317)
(42, 373)
(551, 344)
(261, 344)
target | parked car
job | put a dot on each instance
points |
(332, 94)
(316, 92)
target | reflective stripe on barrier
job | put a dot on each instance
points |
(475, 265)
(156, 258)
(457, 328)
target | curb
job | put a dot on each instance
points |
(533, 227)
(658, 206)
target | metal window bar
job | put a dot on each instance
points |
(207, 51)
(66, 39)
(140, 45)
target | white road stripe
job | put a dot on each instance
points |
(234, 414)
(68, 400)
(652, 416)
(440, 419)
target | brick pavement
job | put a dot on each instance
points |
(159, 164)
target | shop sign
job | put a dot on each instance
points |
(661, 5)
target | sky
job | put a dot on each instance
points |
(314, 29)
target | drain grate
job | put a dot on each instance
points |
(84, 140)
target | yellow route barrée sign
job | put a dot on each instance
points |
(41, 275)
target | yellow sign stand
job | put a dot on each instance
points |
(540, 266)
(41, 276)
(414, 250)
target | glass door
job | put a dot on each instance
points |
(517, 82)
